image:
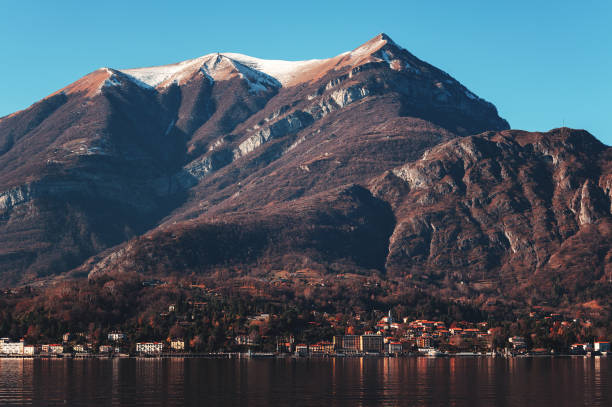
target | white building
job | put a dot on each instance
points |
(177, 344)
(602, 346)
(30, 350)
(56, 348)
(149, 347)
(80, 348)
(116, 336)
(11, 348)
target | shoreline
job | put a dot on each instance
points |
(285, 356)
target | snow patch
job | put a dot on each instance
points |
(282, 71)
(154, 76)
(258, 81)
(111, 81)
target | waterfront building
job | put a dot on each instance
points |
(394, 347)
(177, 344)
(11, 348)
(322, 348)
(301, 349)
(80, 348)
(518, 342)
(602, 346)
(350, 343)
(30, 350)
(424, 342)
(149, 347)
(52, 348)
(105, 349)
(371, 343)
(284, 347)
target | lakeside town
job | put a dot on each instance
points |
(390, 337)
(307, 315)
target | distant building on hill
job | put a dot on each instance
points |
(117, 336)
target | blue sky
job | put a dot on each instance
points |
(542, 63)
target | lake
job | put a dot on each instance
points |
(412, 381)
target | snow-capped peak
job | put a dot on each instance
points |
(213, 65)
(286, 73)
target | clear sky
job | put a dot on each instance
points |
(544, 64)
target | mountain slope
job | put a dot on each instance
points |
(508, 211)
(119, 151)
(511, 215)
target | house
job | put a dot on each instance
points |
(30, 350)
(284, 347)
(456, 330)
(105, 349)
(471, 332)
(424, 342)
(149, 347)
(602, 346)
(80, 348)
(53, 348)
(56, 348)
(244, 340)
(301, 349)
(518, 342)
(177, 344)
(117, 336)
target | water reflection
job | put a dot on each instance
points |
(334, 382)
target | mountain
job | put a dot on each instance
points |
(372, 161)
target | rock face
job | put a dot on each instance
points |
(508, 207)
(367, 161)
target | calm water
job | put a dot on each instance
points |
(333, 382)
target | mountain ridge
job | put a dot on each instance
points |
(371, 161)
